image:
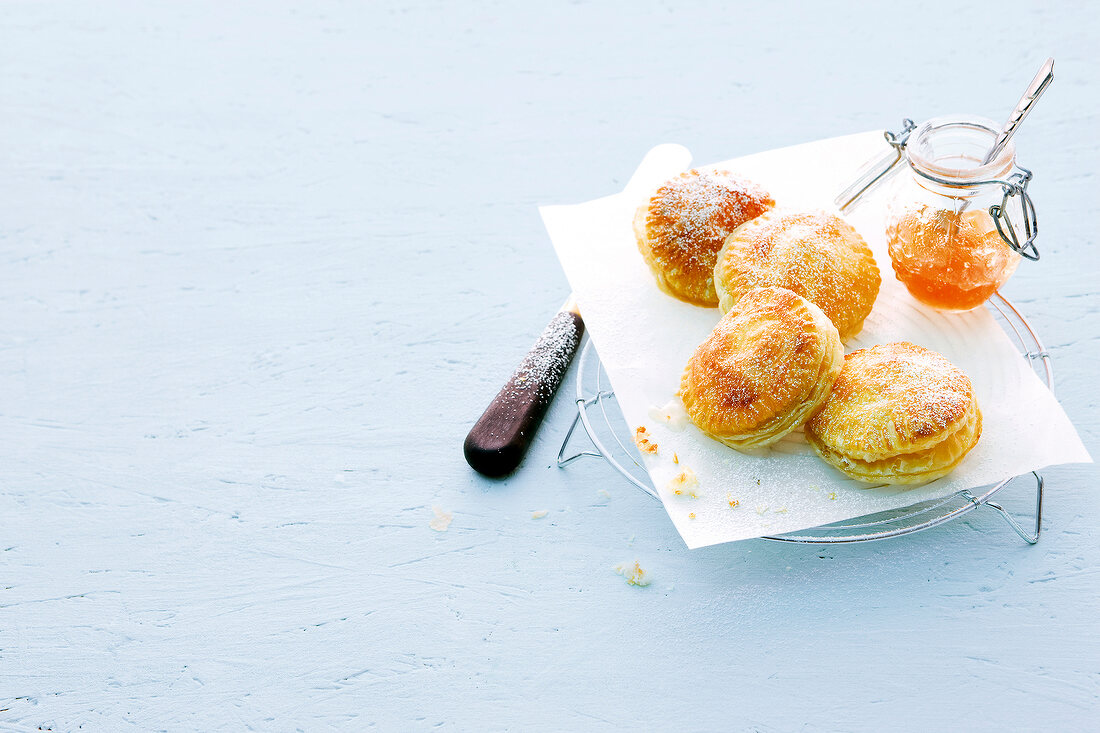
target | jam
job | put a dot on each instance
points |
(949, 260)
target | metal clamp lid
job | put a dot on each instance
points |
(1016, 185)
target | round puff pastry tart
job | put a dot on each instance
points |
(898, 414)
(683, 225)
(815, 254)
(767, 366)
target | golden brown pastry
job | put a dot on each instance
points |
(897, 414)
(815, 254)
(767, 366)
(683, 225)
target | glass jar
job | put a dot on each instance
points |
(953, 240)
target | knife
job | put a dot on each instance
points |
(501, 436)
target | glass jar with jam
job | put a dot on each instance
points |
(957, 226)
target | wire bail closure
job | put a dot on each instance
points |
(1016, 185)
(898, 140)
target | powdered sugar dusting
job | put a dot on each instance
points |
(813, 253)
(922, 391)
(691, 215)
(762, 359)
(545, 364)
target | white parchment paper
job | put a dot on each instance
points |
(645, 337)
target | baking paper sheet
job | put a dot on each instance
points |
(645, 337)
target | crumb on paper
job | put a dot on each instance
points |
(442, 519)
(685, 483)
(604, 493)
(641, 439)
(633, 573)
(761, 509)
(691, 516)
(672, 414)
(539, 514)
(781, 510)
(675, 458)
(734, 503)
(832, 495)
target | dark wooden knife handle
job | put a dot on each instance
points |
(498, 441)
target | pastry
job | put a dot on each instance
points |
(815, 254)
(897, 414)
(765, 368)
(683, 225)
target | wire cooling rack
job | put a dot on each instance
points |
(599, 415)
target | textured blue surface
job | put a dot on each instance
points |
(263, 266)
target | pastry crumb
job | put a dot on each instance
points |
(685, 483)
(442, 519)
(672, 414)
(633, 573)
(691, 516)
(781, 510)
(539, 514)
(832, 495)
(734, 503)
(761, 509)
(675, 458)
(641, 439)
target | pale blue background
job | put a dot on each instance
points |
(264, 264)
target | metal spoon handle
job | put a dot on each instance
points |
(1035, 90)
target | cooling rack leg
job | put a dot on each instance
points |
(1029, 537)
(564, 460)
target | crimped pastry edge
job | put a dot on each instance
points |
(866, 471)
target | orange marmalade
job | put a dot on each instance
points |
(949, 260)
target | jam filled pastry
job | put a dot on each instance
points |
(898, 414)
(767, 366)
(683, 225)
(817, 255)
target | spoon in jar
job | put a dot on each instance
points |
(1034, 90)
(1019, 113)
(877, 170)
